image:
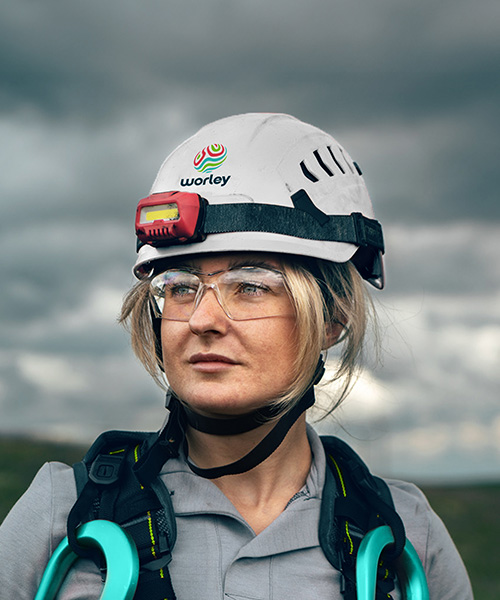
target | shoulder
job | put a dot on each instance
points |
(53, 475)
(55, 480)
(446, 573)
(422, 524)
(415, 511)
(34, 527)
(48, 499)
(409, 499)
(444, 568)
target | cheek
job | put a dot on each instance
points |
(171, 342)
(279, 344)
(278, 366)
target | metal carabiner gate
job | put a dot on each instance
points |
(120, 553)
(410, 570)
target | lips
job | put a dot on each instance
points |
(211, 364)
(201, 358)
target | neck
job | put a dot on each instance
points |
(262, 493)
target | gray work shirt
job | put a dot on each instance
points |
(217, 555)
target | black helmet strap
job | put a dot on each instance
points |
(264, 448)
(242, 424)
(172, 435)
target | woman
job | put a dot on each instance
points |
(253, 247)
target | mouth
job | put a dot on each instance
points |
(210, 362)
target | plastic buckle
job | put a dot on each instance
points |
(368, 232)
(105, 469)
(360, 229)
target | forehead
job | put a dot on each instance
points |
(212, 262)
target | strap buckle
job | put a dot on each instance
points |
(368, 231)
(105, 469)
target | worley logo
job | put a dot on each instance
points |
(210, 158)
(206, 161)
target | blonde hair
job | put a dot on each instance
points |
(332, 308)
(324, 295)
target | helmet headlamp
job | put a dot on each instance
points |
(168, 218)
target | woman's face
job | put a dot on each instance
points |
(221, 366)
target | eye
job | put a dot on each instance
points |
(180, 291)
(253, 283)
(251, 288)
(176, 286)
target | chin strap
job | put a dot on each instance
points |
(231, 425)
(244, 423)
(170, 438)
(224, 425)
(264, 448)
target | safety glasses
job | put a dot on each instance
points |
(244, 293)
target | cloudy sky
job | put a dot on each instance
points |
(93, 95)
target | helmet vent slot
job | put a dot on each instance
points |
(322, 164)
(346, 161)
(308, 173)
(335, 160)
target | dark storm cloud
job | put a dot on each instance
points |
(418, 58)
(45, 279)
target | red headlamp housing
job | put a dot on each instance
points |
(169, 218)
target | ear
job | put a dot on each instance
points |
(333, 332)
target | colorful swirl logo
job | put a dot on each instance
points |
(210, 158)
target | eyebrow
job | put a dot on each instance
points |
(251, 262)
(235, 263)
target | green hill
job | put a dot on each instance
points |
(471, 512)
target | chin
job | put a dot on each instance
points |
(221, 404)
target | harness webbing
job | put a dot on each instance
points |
(145, 512)
(353, 502)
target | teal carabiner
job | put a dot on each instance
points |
(120, 553)
(409, 569)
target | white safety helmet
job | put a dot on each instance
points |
(260, 182)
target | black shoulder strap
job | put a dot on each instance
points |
(354, 502)
(108, 488)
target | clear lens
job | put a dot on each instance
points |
(244, 293)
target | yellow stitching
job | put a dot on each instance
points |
(351, 549)
(136, 458)
(150, 525)
(340, 476)
(386, 571)
(117, 451)
(351, 545)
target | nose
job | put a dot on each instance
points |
(208, 313)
